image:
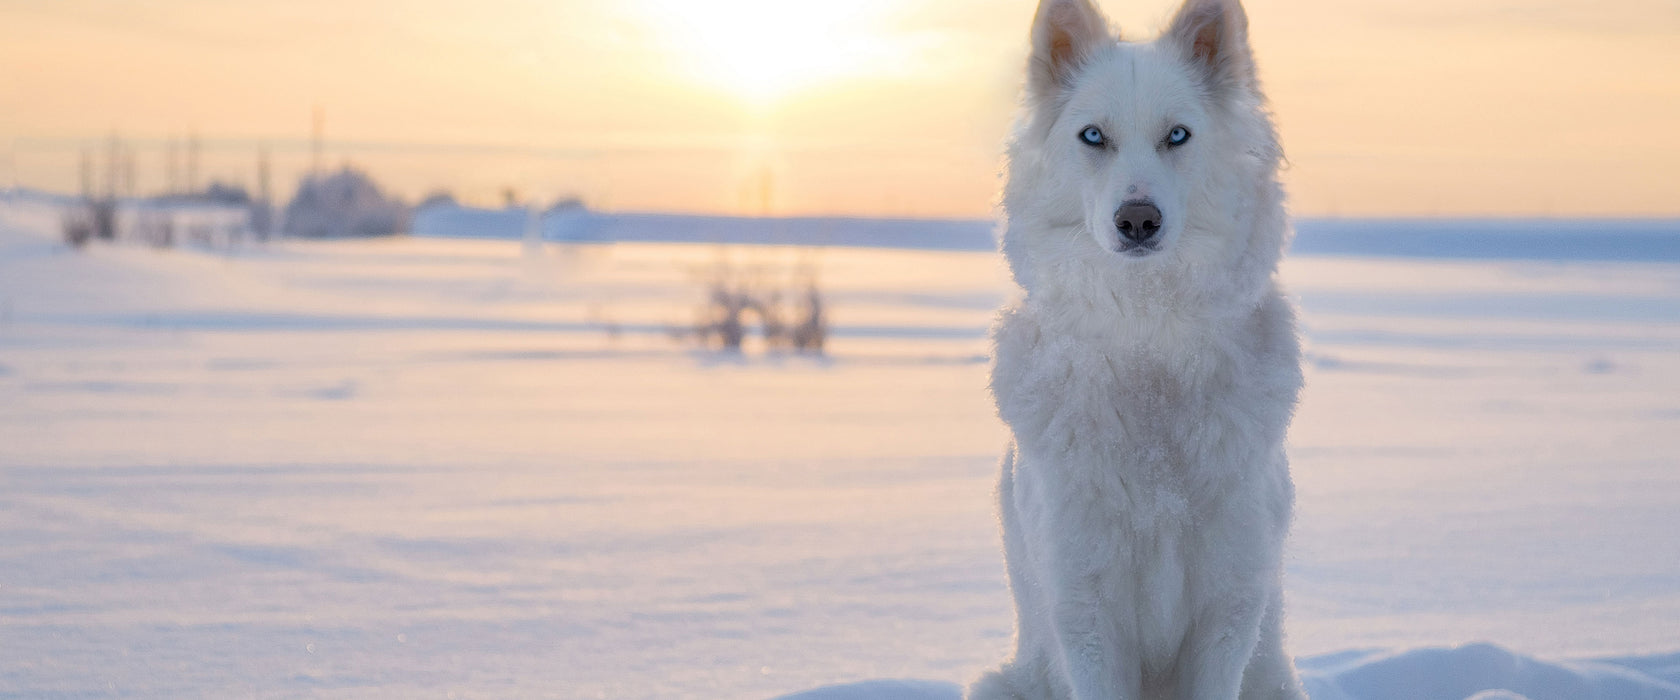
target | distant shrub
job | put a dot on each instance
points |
(811, 332)
(735, 300)
(88, 220)
(78, 227)
(104, 218)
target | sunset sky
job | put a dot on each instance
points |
(863, 107)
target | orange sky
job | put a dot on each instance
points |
(868, 107)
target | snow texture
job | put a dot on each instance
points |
(1469, 672)
(416, 467)
(1479, 671)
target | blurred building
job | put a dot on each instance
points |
(343, 204)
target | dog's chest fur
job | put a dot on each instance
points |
(1149, 450)
(1164, 404)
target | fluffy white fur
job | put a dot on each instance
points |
(1146, 496)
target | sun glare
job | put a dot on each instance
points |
(763, 50)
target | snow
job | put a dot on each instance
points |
(574, 225)
(883, 690)
(1601, 240)
(1468, 672)
(427, 466)
(1478, 671)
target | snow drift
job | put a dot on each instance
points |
(1469, 672)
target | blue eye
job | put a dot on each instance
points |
(1092, 136)
(1178, 136)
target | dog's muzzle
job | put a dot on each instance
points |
(1138, 221)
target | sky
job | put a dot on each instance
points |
(865, 107)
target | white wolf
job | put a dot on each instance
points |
(1150, 369)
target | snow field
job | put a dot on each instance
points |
(424, 467)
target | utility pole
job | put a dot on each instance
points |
(113, 165)
(172, 166)
(86, 173)
(129, 174)
(264, 208)
(192, 161)
(317, 135)
(11, 165)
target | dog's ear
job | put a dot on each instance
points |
(1213, 34)
(1064, 32)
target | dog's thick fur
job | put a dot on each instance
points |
(1146, 496)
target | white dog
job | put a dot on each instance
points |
(1150, 370)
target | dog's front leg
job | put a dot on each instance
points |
(1228, 631)
(1270, 674)
(1099, 661)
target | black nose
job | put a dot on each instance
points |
(1138, 221)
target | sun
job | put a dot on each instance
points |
(764, 50)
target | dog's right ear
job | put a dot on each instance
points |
(1064, 33)
(1214, 36)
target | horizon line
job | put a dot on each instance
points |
(853, 216)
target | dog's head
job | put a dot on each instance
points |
(1150, 150)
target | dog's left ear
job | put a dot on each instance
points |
(1213, 34)
(1064, 34)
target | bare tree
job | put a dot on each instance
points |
(734, 297)
(811, 333)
